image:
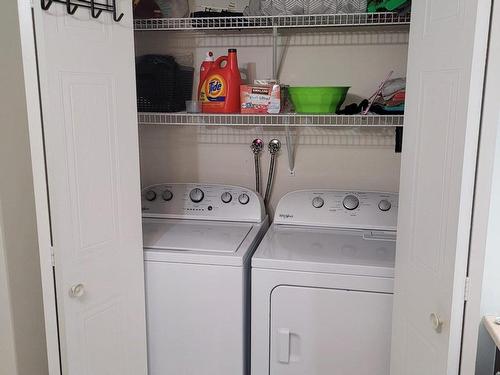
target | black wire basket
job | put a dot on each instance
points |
(162, 84)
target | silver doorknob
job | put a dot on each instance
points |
(437, 323)
(77, 291)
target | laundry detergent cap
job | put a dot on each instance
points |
(209, 56)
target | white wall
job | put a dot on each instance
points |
(20, 292)
(335, 159)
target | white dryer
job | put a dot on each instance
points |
(198, 242)
(322, 285)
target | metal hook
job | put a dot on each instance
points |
(92, 10)
(69, 9)
(116, 19)
(46, 6)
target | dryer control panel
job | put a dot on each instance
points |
(202, 201)
(339, 209)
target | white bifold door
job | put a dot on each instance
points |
(87, 87)
(448, 40)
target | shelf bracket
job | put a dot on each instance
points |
(290, 148)
(399, 139)
(275, 53)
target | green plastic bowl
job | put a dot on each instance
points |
(317, 99)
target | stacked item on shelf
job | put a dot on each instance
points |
(295, 7)
(160, 8)
(389, 99)
(402, 7)
(162, 84)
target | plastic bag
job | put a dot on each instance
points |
(173, 8)
(293, 7)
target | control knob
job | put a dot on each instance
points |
(196, 195)
(150, 195)
(243, 198)
(384, 205)
(226, 197)
(351, 202)
(318, 202)
(167, 195)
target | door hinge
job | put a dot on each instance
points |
(52, 257)
(467, 289)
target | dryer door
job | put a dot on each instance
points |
(318, 331)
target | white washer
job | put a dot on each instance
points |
(322, 284)
(198, 242)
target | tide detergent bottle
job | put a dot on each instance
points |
(206, 65)
(220, 91)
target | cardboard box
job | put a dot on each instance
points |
(260, 99)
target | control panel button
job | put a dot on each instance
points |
(196, 195)
(226, 197)
(384, 205)
(351, 202)
(167, 195)
(150, 195)
(318, 202)
(243, 198)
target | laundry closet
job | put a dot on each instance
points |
(359, 56)
(101, 158)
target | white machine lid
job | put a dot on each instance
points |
(327, 250)
(194, 236)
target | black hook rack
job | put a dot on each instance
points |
(96, 8)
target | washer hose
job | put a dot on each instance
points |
(256, 147)
(274, 147)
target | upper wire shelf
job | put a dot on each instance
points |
(268, 22)
(290, 119)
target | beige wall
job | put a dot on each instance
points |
(20, 289)
(343, 159)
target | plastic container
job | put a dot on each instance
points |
(317, 99)
(220, 92)
(193, 106)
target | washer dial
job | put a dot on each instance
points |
(167, 195)
(318, 202)
(351, 202)
(150, 195)
(226, 197)
(196, 195)
(243, 198)
(384, 205)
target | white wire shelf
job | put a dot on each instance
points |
(267, 22)
(290, 119)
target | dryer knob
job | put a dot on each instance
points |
(244, 198)
(318, 202)
(384, 205)
(196, 195)
(167, 195)
(226, 197)
(351, 202)
(150, 195)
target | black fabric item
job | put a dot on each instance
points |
(224, 13)
(380, 110)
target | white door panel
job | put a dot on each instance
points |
(88, 98)
(318, 331)
(445, 73)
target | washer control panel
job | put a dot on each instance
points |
(202, 201)
(339, 209)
